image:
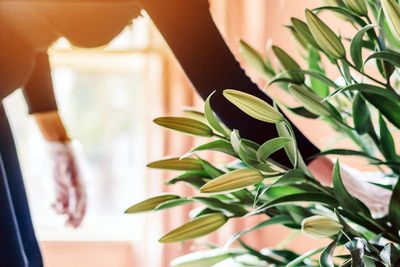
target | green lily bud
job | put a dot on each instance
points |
(337, 3)
(320, 226)
(150, 204)
(253, 106)
(333, 3)
(296, 36)
(195, 114)
(202, 258)
(357, 6)
(198, 227)
(232, 181)
(185, 125)
(288, 64)
(392, 13)
(311, 101)
(255, 60)
(325, 37)
(185, 164)
(303, 30)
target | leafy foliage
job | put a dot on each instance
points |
(365, 109)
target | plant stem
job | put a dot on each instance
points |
(363, 73)
(320, 187)
(221, 137)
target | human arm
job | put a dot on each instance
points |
(193, 37)
(70, 193)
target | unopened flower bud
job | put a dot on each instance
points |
(297, 37)
(288, 64)
(195, 114)
(325, 37)
(253, 106)
(391, 9)
(310, 100)
(320, 226)
(357, 6)
(198, 227)
(185, 125)
(303, 30)
(184, 164)
(150, 204)
(255, 60)
(231, 181)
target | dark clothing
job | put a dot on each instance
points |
(193, 37)
(18, 245)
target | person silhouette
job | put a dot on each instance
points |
(30, 27)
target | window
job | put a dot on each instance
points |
(101, 97)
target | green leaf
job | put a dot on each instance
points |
(260, 191)
(361, 115)
(259, 255)
(346, 152)
(389, 107)
(280, 191)
(384, 186)
(217, 145)
(255, 60)
(356, 45)
(220, 205)
(210, 169)
(366, 88)
(203, 211)
(290, 148)
(291, 177)
(314, 63)
(247, 151)
(297, 213)
(195, 179)
(172, 203)
(346, 200)
(278, 219)
(244, 196)
(386, 141)
(390, 255)
(346, 227)
(388, 56)
(326, 259)
(271, 146)
(368, 262)
(394, 207)
(301, 258)
(296, 198)
(343, 11)
(301, 111)
(212, 120)
(356, 248)
(315, 74)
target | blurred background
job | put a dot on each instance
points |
(107, 98)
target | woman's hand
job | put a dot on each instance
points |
(70, 191)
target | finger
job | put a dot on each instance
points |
(77, 208)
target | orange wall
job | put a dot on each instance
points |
(88, 254)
